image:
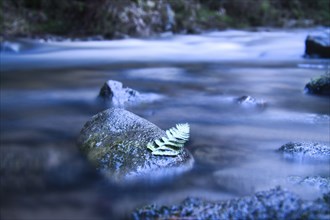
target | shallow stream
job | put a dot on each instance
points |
(49, 90)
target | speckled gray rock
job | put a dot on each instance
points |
(115, 141)
(115, 95)
(306, 152)
(272, 204)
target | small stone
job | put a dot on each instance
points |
(114, 92)
(116, 95)
(306, 151)
(248, 102)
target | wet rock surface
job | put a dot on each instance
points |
(115, 141)
(306, 152)
(318, 46)
(271, 204)
(115, 95)
(320, 85)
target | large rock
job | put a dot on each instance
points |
(318, 46)
(115, 141)
(114, 94)
(271, 204)
(306, 152)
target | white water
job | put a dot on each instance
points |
(226, 46)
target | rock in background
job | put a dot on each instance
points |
(115, 95)
(318, 46)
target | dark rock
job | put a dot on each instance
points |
(115, 141)
(113, 93)
(318, 46)
(319, 86)
(305, 151)
(272, 204)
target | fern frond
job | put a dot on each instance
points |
(173, 144)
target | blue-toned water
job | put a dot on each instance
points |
(49, 89)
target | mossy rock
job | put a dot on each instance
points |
(115, 141)
(319, 86)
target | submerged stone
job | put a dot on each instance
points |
(306, 151)
(116, 140)
(271, 204)
(250, 102)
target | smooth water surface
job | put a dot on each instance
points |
(49, 90)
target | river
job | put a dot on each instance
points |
(49, 89)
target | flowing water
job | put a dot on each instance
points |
(49, 90)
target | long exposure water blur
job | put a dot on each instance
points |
(49, 90)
